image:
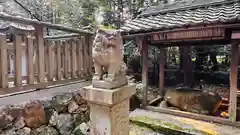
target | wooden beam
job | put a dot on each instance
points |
(161, 72)
(142, 43)
(232, 110)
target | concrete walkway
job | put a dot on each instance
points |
(42, 94)
(211, 128)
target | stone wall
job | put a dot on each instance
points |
(65, 114)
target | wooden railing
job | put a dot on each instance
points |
(38, 62)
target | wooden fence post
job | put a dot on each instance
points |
(3, 59)
(50, 60)
(18, 60)
(30, 53)
(40, 52)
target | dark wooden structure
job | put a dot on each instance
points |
(199, 22)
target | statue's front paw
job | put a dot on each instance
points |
(96, 77)
(109, 79)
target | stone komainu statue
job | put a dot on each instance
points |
(107, 53)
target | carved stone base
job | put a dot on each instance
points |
(120, 81)
(109, 109)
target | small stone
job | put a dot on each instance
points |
(135, 102)
(19, 123)
(60, 102)
(44, 130)
(174, 108)
(82, 129)
(53, 119)
(65, 124)
(34, 115)
(8, 132)
(163, 104)
(24, 131)
(48, 109)
(14, 111)
(81, 109)
(78, 98)
(80, 118)
(5, 120)
(72, 106)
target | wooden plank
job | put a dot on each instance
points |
(161, 72)
(18, 61)
(232, 109)
(30, 53)
(66, 65)
(193, 116)
(40, 48)
(80, 57)
(4, 63)
(59, 67)
(73, 42)
(50, 60)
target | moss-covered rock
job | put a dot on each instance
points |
(166, 127)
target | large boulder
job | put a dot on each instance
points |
(193, 100)
(34, 115)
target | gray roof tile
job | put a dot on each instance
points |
(227, 12)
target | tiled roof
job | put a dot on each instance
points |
(5, 25)
(207, 13)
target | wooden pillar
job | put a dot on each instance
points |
(161, 72)
(144, 50)
(232, 110)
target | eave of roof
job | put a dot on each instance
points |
(224, 11)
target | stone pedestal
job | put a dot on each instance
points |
(109, 109)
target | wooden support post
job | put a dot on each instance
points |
(73, 44)
(30, 60)
(66, 65)
(59, 60)
(3, 60)
(18, 60)
(142, 43)
(85, 54)
(40, 50)
(80, 57)
(161, 72)
(232, 110)
(50, 60)
(90, 41)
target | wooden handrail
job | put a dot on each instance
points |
(21, 20)
(65, 36)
